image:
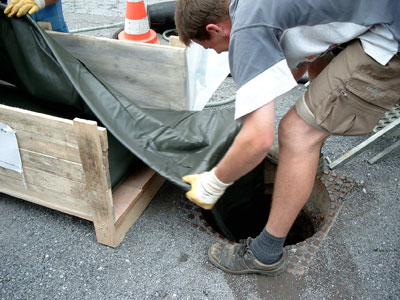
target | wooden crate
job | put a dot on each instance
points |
(149, 75)
(65, 163)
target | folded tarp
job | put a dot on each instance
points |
(172, 143)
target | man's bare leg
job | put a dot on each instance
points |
(299, 146)
(299, 150)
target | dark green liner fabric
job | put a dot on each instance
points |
(172, 143)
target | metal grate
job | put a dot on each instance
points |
(388, 125)
(388, 118)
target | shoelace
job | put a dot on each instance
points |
(245, 244)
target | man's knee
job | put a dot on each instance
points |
(288, 131)
(295, 132)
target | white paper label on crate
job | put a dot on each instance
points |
(10, 157)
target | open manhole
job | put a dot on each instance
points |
(310, 228)
(249, 218)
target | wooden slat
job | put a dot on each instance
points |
(134, 211)
(98, 187)
(76, 206)
(104, 148)
(124, 196)
(40, 124)
(128, 191)
(103, 138)
(62, 168)
(139, 71)
(45, 134)
(48, 181)
(47, 146)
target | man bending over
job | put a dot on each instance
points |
(350, 50)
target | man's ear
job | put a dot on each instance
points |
(222, 28)
(214, 28)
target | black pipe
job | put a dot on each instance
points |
(161, 16)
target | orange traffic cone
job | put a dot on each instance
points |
(137, 26)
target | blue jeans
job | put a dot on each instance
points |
(53, 14)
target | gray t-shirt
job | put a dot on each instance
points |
(269, 37)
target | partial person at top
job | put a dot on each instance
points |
(41, 11)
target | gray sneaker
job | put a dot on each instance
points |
(238, 259)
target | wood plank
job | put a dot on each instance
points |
(146, 53)
(77, 206)
(41, 124)
(104, 148)
(137, 208)
(124, 196)
(62, 168)
(139, 176)
(48, 181)
(48, 146)
(139, 71)
(127, 192)
(103, 138)
(98, 187)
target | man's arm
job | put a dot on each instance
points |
(247, 151)
(250, 146)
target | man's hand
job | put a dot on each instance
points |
(22, 7)
(206, 189)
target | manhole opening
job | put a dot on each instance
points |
(248, 221)
(253, 219)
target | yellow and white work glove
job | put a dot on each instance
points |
(22, 7)
(206, 189)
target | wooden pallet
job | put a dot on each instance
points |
(65, 164)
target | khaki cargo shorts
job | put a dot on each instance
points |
(351, 94)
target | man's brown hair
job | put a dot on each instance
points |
(192, 17)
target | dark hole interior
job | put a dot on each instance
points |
(249, 219)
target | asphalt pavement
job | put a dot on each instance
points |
(46, 254)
